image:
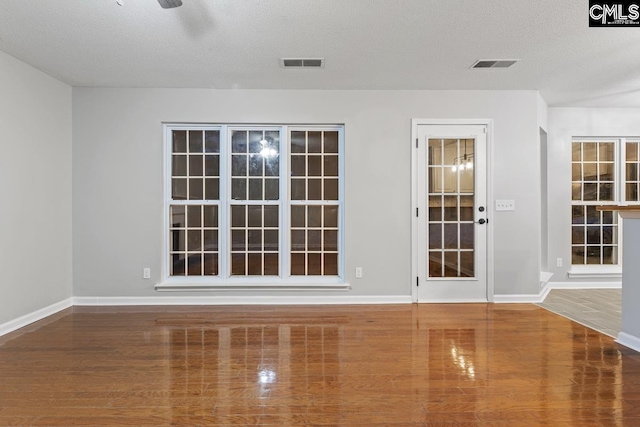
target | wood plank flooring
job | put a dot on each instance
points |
(398, 365)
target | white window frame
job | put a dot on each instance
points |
(586, 271)
(224, 280)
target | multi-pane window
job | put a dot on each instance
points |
(603, 172)
(261, 202)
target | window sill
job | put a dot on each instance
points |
(599, 272)
(182, 287)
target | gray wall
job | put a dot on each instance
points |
(118, 182)
(565, 123)
(35, 189)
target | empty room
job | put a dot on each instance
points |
(319, 213)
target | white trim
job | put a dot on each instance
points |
(628, 340)
(242, 300)
(183, 286)
(585, 285)
(522, 298)
(545, 276)
(29, 318)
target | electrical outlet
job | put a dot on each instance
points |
(146, 273)
(358, 272)
(559, 262)
(505, 205)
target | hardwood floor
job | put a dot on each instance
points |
(401, 365)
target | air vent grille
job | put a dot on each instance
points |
(169, 4)
(303, 62)
(494, 63)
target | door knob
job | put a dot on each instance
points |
(481, 221)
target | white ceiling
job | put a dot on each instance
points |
(367, 44)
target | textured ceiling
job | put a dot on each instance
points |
(367, 44)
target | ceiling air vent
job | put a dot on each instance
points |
(303, 62)
(170, 4)
(494, 63)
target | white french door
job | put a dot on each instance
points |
(451, 208)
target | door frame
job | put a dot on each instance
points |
(415, 205)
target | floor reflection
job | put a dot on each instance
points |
(247, 368)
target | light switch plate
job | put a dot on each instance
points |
(505, 205)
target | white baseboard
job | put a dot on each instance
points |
(243, 300)
(29, 318)
(628, 340)
(585, 285)
(522, 298)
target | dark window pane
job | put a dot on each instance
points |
(606, 191)
(271, 240)
(451, 264)
(298, 166)
(577, 255)
(239, 142)
(238, 241)
(177, 216)
(330, 264)
(212, 189)
(210, 240)
(298, 264)
(177, 240)
(590, 191)
(256, 165)
(298, 240)
(239, 189)
(331, 142)
(196, 167)
(239, 165)
(608, 235)
(238, 264)
(255, 189)
(238, 216)
(212, 141)
(577, 214)
(435, 236)
(593, 255)
(196, 189)
(178, 265)
(593, 235)
(194, 216)
(331, 166)
(211, 264)
(194, 240)
(331, 216)
(271, 189)
(609, 255)
(330, 189)
(315, 165)
(298, 142)
(210, 216)
(298, 216)
(272, 166)
(194, 264)
(577, 235)
(450, 236)
(435, 264)
(212, 165)
(179, 189)
(314, 264)
(450, 208)
(467, 236)
(255, 216)
(632, 192)
(314, 189)
(435, 208)
(298, 189)
(255, 240)
(314, 142)
(314, 240)
(179, 165)
(315, 216)
(467, 268)
(607, 217)
(331, 240)
(195, 141)
(256, 138)
(593, 216)
(271, 267)
(179, 141)
(271, 216)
